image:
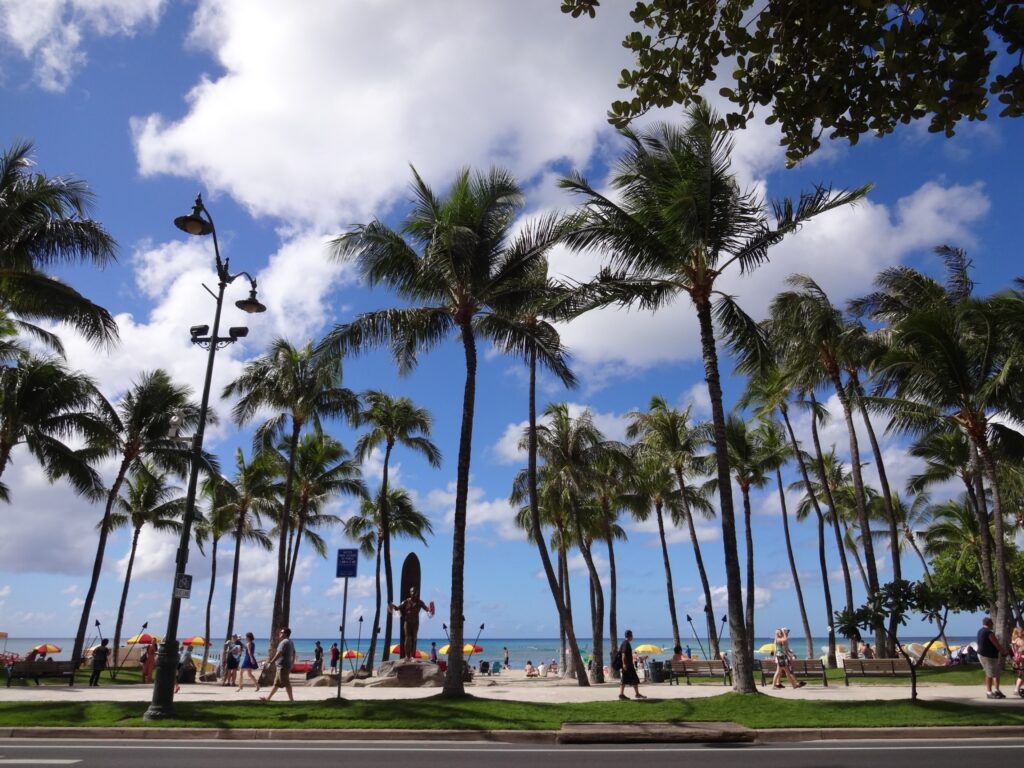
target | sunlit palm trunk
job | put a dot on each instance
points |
(743, 662)
(792, 565)
(97, 566)
(239, 531)
(984, 538)
(280, 616)
(370, 653)
(851, 547)
(124, 596)
(385, 525)
(613, 629)
(668, 574)
(597, 601)
(209, 605)
(822, 560)
(1002, 617)
(701, 570)
(454, 685)
(749, 535)
(564, 613)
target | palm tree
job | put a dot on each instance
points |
(367, 529)
(393, 421)
(323, 471)
(217, 523)
(454, 262)
(536, 339)
(142, 427)
(43, 405)
(246, 498)
(768, 391)
(151, 501)
(570, 448)
(670, 434)
(682, 223)
(304, 388)
(44, 222)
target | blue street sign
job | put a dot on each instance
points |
(348, 559)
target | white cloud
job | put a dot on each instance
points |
(506, 450)
(50, 33)
(495, 515)
(5, 591)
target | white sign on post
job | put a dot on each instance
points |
(183, 586)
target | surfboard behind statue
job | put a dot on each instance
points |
(410, 580)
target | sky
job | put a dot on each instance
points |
(297, 121)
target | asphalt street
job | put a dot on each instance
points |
(270, 754)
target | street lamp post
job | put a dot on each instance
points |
(199, 222)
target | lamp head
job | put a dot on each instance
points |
(194, 223)
(238, 332)
(199, 330)
(251, 305)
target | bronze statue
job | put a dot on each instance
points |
(409, 610)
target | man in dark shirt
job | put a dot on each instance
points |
(990, 653)
(99, 662)
(629, 675)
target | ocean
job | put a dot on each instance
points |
(520, 650)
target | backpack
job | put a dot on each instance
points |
(617, 662)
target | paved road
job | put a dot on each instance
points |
(251, 754)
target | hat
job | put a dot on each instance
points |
(786, 630)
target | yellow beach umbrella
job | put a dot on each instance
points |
(767, 648)
(467, 648)
(649, 648)
(142, 639)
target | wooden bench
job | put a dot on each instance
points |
(23, 670)
(811, 669)
(875, 668)
(688, 668)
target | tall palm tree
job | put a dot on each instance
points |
(682, 223)
(247, 498)
(768, 391)
(142, 427)
(367, 529)
(670, 433)
(457, 263)
(305, 389)
(43, 406)
(149, 501)
(44, 222)
(215, 524)
(324, 470)
(392, 421)
(611, 495)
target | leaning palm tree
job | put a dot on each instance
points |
(149, 501)
(392, 421)
(43, 406)
(366, 528)
(670, 433)
(215, 524)
(142, 427)
(681, 224)
(456, 262)
(304, 389)
(44, 222)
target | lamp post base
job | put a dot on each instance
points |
(162, 706)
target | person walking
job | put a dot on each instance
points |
(99, 662)
(318, 659)
(783, 655)
(334, 654)
(149, 661)
(990, 653)
(628, 668)
(248, 663)
(283, 659)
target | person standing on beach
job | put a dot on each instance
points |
(284, 660)
(318, 659)
(99, 662)
(629, 676)
(248, 662)
(505, 649)
(990, 653)
(334, 654)
(433, 653)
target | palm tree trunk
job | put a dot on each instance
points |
(984, 535)
(792, 565)
(209, 604)
(701, 570)
(454, 685)
(822, 560)
(1002, 617)
(613, 629)
(279, 618)
(239, 530)
(124, 596)
(597, 601)
(749, 534)
(668, 574)
(851, 545)
(97, 566)
(376, 614)
(385, 525)
(833, 511)
(743, 662)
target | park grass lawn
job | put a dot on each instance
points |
(124, 677)
(475, 714)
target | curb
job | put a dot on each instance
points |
(281, 734)
(789, 735)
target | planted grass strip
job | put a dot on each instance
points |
(474, 714)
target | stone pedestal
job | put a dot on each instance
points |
(409, 674)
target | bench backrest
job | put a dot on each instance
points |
(798, 666)
(40, 668)
(877, 666)
(698, 667)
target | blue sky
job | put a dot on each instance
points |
(298, 120)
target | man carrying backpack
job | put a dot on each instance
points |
(623, 662)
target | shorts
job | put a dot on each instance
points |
(992, 667)
(232, 662)
(281, 678)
